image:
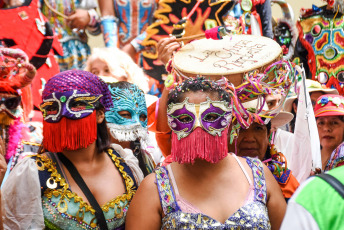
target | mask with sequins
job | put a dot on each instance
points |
(72, 104)
(70, 99)
(132, 100)
(212, 116)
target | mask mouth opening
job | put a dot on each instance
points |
(130, 132)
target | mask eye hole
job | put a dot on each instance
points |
(12, 103)
(316, 30)
(78, 106)
(50, 108)
(323, 77)
(185, 118)
(211, 117)
(340, 76)
(125, 114)
(143, 117)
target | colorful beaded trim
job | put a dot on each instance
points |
(258, 179)
(167, 198)
(45, 163)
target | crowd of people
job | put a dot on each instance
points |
(195, 115)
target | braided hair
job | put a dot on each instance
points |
(198, 84)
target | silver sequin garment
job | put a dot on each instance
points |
(253, 215)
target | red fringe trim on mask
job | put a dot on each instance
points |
(68, 134)
(199, 145)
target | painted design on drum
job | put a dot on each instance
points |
(237, 54)
(233, 57)
(326, 58)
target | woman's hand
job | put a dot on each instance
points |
(79, 19)
(166, 47)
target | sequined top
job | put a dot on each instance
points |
(253, 215)
(64, 209)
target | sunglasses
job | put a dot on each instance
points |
(10, 103)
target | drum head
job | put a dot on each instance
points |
(231, 56)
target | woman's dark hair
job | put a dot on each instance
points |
(292, 122)
(267, 152)
(121, 85)
(103, 137)
(195, 85)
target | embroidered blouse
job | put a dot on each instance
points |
(38, 196)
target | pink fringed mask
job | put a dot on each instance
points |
(199, 130)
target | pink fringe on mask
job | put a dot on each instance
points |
(199, 145)
(14, 138)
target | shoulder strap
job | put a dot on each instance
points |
(82, 185)
(243, 169)
(334, 182)
(166, 194)
(258, 179)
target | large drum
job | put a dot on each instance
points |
(231, 57)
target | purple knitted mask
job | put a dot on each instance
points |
(73, 94)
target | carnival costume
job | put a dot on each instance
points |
(135, 130)
(331, 105)
(128, 26)
(196, 135)
(35, 37)
(320, 45)
(74, 42)
(285, 32)
(16, 74)
(69, 102)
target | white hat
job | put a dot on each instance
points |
(312, 86)
(279, 120)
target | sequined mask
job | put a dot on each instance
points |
(133, 101)
(211, 116)
(72, 104)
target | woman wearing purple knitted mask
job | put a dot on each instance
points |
(77, 182)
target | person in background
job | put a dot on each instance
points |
(74, 17)
(16, 103)
(254, 142)
(315, 90)
(124, 24)
(113, 65)
(329, 114)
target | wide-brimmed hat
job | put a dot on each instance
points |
(312, 86)
(329, 105)
(279, 120)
